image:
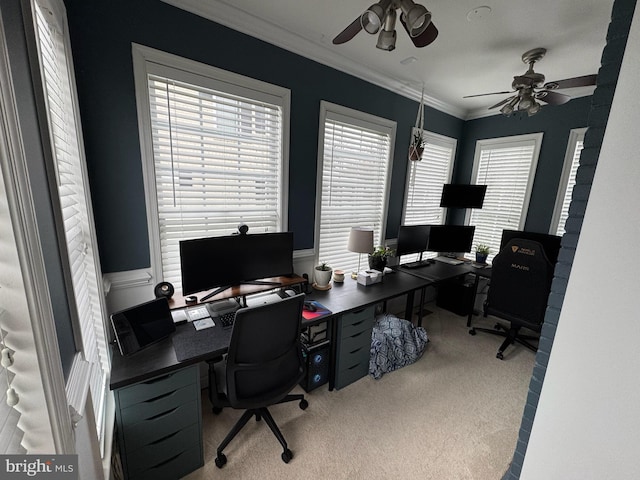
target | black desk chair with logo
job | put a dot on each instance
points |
(519, 290)
(263, 365)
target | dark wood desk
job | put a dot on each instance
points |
(438, 272)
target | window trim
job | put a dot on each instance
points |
(365, 120)
(575, 135)
(149, 60)
(435, 138)
(504, 142)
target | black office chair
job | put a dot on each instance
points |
(521, 278)
(263, 365)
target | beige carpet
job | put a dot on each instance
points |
(453, 415)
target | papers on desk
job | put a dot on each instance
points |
(204, 323)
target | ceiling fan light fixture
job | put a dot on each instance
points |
(373, 18)
(507, 110)
(533, 109)
(386, 40)
(417, 17)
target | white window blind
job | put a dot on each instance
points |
(507, 167)
(218, 161)
(568, 180)
(74, 198)
(424, 184)
(354, 172)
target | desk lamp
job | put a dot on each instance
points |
(360, 241)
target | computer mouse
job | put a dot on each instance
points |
(309, 307)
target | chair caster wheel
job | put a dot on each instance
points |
(258, 417)
(472, 331)
(499, 356)
(287, 455)
(221, 460)
(303, 404)
(216, 410)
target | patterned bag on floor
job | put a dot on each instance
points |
(395, 343)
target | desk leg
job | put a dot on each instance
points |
(333, 348)
(473, 301)
(421, 307)
(408, 309)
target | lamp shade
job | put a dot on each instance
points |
(360, 240)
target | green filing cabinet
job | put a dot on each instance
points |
(160, 426)
(354, 345)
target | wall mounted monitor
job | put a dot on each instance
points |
(462, 196)
(140, 326)
(550, 243)
(412, 239)
(226, 261)
(451, 238)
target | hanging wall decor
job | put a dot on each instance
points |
(416, 146)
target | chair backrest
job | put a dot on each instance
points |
(521, 278)
(265, 360)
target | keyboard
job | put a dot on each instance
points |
(417, 264)
(450, 261)
(227, 319)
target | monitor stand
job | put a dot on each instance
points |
(251, 282)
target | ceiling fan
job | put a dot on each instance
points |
(381, 17)
(530, 87)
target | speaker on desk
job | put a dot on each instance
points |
(317, 362)
(164, 289)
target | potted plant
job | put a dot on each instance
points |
(416, 147)
(378, 259)
(323, 275)
(482, 252)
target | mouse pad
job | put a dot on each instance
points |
(191, 343)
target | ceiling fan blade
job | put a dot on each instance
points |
(499, 104)
(492, 93)
(552, 98)
(348, 33)
(584, 81)
(425, 38)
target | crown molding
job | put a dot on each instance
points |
(233, 17)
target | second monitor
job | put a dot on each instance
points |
(450, 238)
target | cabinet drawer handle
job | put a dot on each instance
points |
(163, 414)
(354, 366)
(160, 397)
(359, 310)
(357, 323)
(167, 461)
(357, 335)
(356, 350)
(160, 440)
(159, 379)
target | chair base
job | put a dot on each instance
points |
(260, 413)
(511, 335)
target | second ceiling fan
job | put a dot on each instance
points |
(530, 87)
(381, 17)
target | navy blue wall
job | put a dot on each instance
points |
(101, 37)
(555, 123)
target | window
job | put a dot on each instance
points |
(568, 180)
(76, 217)
(425, 181)
(214, 153)
(353, 176)
(507, 166)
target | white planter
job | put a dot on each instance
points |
(322, 277)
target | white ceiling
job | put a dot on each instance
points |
(467, 58)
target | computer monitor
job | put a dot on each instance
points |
(451, 238)
(412, 239)
(462, 195)
(550, 243)
(222, 262)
